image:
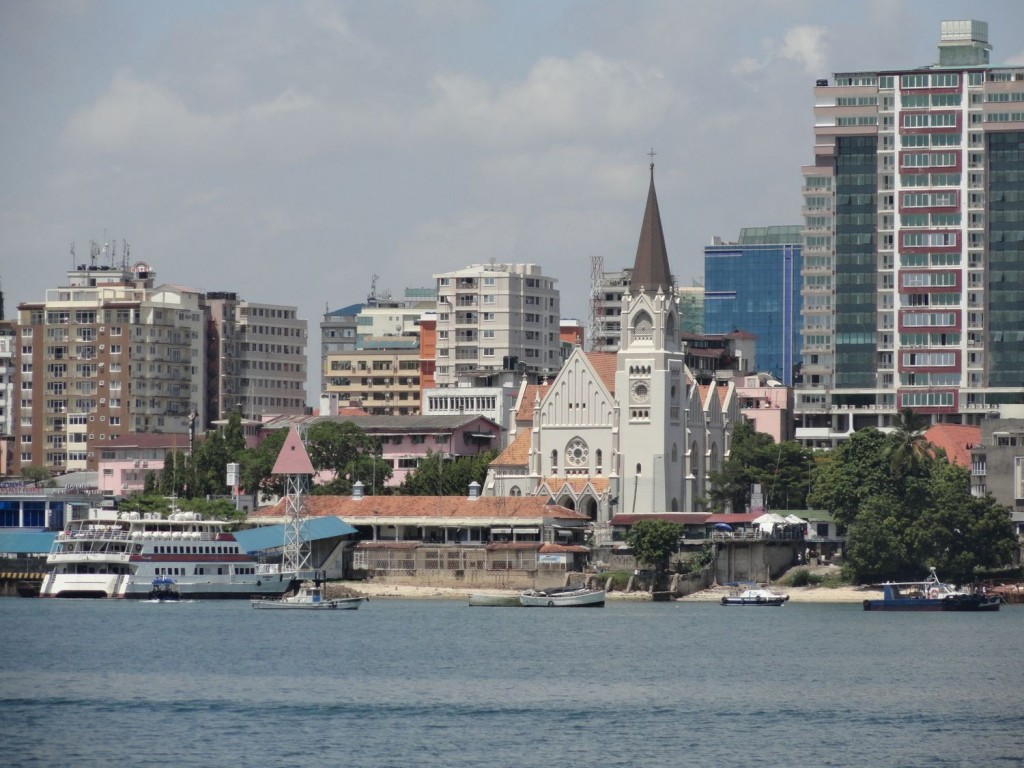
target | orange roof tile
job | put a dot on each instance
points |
(605, 364)
(366, 509)
(578, 483)
(955, 440)
(531, 395)
(517, 454)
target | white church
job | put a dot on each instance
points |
(624, 434)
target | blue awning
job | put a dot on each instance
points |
(313, 529)
(27, 542)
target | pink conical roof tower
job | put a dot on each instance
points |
(293, 459)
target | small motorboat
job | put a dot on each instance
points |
(564, 597)
(164, 589)
(757, 597)
(309, 597)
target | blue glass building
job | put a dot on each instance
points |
(753, 285)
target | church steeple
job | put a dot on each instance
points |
(650, 270)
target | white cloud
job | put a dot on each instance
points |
(803, 45)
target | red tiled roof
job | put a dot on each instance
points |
(530, 398)
(605, 365)
(956, 440)
(349, 508)
(578, 483)
(517, 454)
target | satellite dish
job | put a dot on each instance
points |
(521, 366)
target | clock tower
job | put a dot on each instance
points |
(650, 380)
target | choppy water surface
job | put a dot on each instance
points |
(436, 683)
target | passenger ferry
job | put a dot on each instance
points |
(119, 554)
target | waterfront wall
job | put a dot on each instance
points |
(754, 560)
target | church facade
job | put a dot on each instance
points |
(629, 432)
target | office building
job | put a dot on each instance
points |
(913, 256)
(753, 285)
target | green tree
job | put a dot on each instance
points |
(781, 469)
(441, 475)
(653, 542)
(909, 450)
(149, 485)
(146, 502)
(348, 452)
(41, 476)
(234, 435)
(256, 465)
(847, 475)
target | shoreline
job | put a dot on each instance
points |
(809, 594)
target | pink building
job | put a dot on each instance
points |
(767, 405)
(125, 460)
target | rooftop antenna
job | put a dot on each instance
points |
(94, 251)
(73, 265)
(125, 250)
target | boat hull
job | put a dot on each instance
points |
(339, 604)
(966, 603)
(493, 601)
(757, 602)
(578, 599)
(100, 586)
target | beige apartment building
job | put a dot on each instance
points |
(109, 353)
(382, 377)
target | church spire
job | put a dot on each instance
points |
(650, 270)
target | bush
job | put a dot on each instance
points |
(802, 577)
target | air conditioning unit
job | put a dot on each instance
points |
(103, 400)
(103, 329)
(102, 347)
(136, 463)
(124, 486)
(145, 464)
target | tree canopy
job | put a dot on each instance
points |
(906, 508)
(654, 541)
(781, 469)
(440, 475)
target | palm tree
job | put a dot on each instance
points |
(910, 450)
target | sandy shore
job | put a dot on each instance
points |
(796, 594)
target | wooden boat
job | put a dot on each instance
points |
(931, 595)
(564, 597)
(492, 600)
(755, 597)
(309, 597)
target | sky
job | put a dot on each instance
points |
(301, 152)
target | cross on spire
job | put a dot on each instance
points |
(651, 155)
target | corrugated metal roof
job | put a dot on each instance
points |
(313, 529)
(27, 542)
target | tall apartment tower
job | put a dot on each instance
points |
(496, 316)
(913, 255)
(753, 285)
(109, 353)
(256, 358)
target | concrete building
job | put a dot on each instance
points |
(753, 285)
(606, 293)
(8, 361)
(913, 255)
(492, 316)
(997, 465)
(109, 353)
(271, 361)
(381, 376)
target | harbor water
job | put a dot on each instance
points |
(437, 683)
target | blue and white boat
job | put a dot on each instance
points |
(930, 595)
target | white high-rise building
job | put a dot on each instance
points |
(496, 317)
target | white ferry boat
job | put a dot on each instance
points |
(119, 554)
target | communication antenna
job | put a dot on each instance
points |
(73, 265)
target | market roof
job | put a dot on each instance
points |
(27, 542)
(313, 529)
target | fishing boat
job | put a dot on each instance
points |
(112, 554)
(755, 597)
(563, 597)
(165, 589)
(930, 595)
(309, 597)
(492, 600)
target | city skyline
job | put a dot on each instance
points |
(299, 150)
